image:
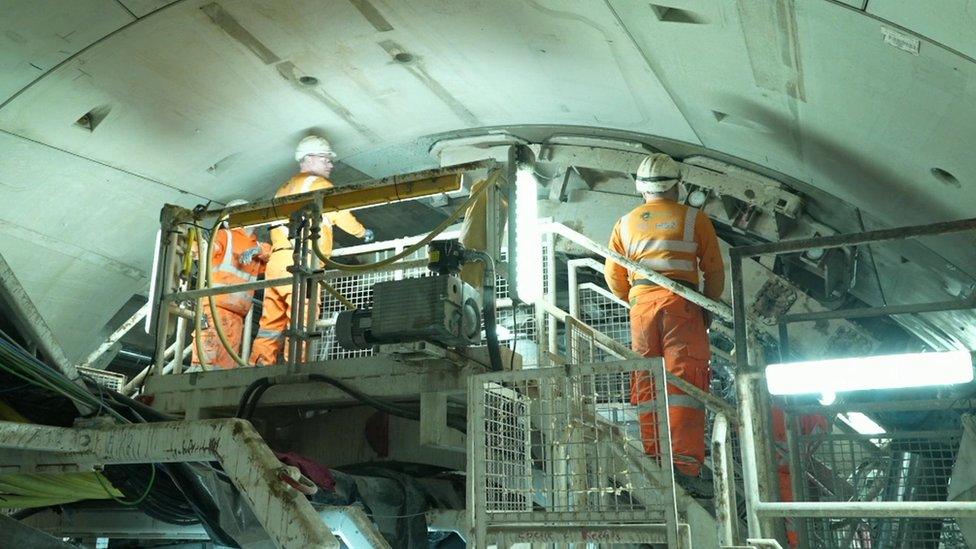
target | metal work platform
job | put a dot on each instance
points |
(382, 376)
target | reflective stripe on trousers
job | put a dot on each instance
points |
(672, 327)
(270, 334)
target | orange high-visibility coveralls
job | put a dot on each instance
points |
(227, 269)
(809, 425)
(677, 241)
(276, 308)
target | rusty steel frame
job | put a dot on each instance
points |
(286, 515)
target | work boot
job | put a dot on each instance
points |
(696, 486)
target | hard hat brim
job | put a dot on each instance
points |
(652, 186)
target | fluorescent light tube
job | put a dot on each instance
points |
(528, 249)
(870, 372)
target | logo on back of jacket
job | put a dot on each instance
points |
(662, 225)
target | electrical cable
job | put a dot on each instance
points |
(254, 392)
(181, 500)
(203, 263)
(457, 214)
(140, 499)
(255, 398)
(246, 396)
(214, 314)
(488, 302)
(16, 361)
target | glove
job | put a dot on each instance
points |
(369, 236)
(250, 254)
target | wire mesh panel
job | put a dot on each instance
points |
(518, 321)
(891, 467)
(567, 446)
(359, 290)
(599, 309)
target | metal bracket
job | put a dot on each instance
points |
(285, 513)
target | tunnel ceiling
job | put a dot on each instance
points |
(110, 108)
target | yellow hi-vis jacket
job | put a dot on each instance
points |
(281, 247)
(671, 238)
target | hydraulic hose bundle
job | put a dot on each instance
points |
(170, 492)
(252, 395)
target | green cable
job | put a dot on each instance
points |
(152, 481)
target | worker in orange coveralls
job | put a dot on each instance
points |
(809, 425)
(236, 258)
(314, 155)
(677, 241)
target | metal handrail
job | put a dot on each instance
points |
(607, 343)
(723, 477)
(720, 309)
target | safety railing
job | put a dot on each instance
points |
(316, 327)
(845, 507)
(557, 454)
(552, 316)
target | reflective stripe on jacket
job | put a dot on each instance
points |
(281, 246)
(671, 238)
(227, 270)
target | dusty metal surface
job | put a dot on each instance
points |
(381, 376)
(286, 515)
(14, 533)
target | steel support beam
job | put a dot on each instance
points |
(867, 312)
(723, 476)
(286, 515)
(117, 334)
(853, 239)
(380, 376)
(869, 509)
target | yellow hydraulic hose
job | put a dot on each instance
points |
(328, 262)
(203, 264)
(207, 268)
(335, 293)
(214, 314)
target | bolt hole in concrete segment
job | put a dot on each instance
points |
(946, 178)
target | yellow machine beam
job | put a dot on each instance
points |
(370, 193)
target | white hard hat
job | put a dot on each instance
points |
(657, 173)
(313, 144)
(236, 202)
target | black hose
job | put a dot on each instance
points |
(256, 390)
(255, 397)
(491, 320)
(242, 405)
